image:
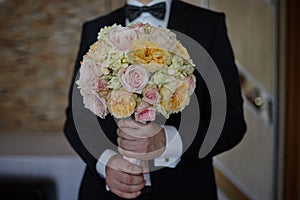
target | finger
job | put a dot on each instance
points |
(124, 190)
(132, 180)
(125, 184)
(132, 188)
(144, 131)
(125, 194)
(134, 133)
(127, 123)
(130, 168)
(120, 165)
(133, 146)
(131, 154)
(115, 177)
(123, 134)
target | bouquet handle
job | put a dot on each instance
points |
(133, 160)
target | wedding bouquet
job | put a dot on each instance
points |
(137, 70)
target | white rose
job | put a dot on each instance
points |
(122, 37)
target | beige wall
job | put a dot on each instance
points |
(251, 26)
(250, 165)
(251, 29)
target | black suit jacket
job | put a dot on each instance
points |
(192, 177)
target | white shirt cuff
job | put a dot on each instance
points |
(172, 154)
(103, 160)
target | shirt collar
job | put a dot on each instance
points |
(137, 3)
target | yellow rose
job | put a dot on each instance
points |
(149, 55)
(174, 96)
(121, 103)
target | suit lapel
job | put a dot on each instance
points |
(118, 16)
(178, 17)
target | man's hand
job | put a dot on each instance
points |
(124, 178)
(140, 141)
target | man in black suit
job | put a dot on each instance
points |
(188, 175)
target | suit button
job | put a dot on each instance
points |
(167, 159)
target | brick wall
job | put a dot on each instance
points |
(38, 45)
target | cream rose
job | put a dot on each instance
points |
(164, 38)
(162, 77)
(122, 37)
(174, 96)
(180, 50)
(121, 103)
(149, 55)
(134, 78)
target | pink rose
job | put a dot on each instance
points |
(138, 27)
(100, 84)
(87, 74)
(122, 37)
(191, 80)
(94, 103)
(144, 113)
(151, 95)
(134, 78)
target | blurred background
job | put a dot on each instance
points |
(38, 45)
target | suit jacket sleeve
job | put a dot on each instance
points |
(222, 54)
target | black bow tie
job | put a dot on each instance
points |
(157, 10)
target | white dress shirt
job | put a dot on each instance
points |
(173, 151)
